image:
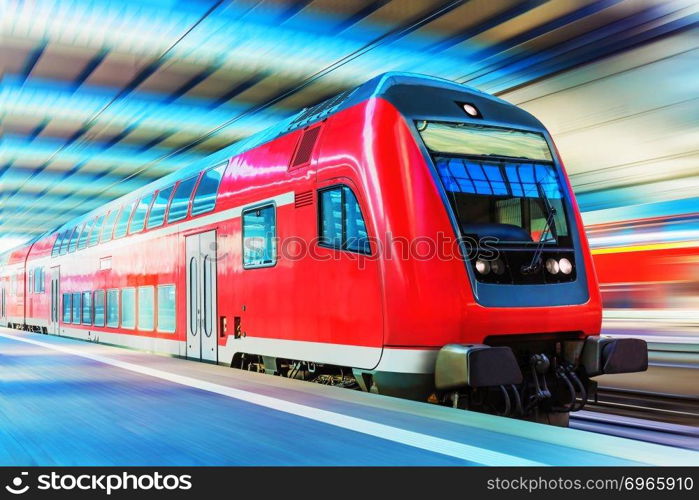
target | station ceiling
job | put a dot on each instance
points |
(101, 97)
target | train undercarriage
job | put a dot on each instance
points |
(536, 378)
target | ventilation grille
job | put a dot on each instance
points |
(304, 151)
(320, 110)
(303, 199)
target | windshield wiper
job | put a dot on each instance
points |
(550, 225)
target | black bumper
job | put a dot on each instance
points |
(604, 355)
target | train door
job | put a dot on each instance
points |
(202, 342)
(55, 296)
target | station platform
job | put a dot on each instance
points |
(68, 402)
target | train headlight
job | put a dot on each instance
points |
(552, 266)
(565, 265)
(498, 267)
(470, 110)
(482, 266)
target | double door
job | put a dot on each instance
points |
(202, 326)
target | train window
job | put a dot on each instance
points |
(207, 190)
(67, 308)
(342, 225)
(146, 299)
(166, 308)
(57, 245)
(82, 242)
(259, 231)
(96, 231)
(76, 308)
(139, 217)
(66, 240)
(157, 211)
(180, 201)
(99, 307)
(113, 308)
(37, 286)
(87, 308)
(128, 308)
(108, 227)
(74, 239)
(123, 221)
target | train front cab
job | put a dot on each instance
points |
(509, 323)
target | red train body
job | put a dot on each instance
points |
(315, 249)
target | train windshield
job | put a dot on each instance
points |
(501, 183)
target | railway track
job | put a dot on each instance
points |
(667, 408)
(651, 431)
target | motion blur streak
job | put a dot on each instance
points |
(99, 98)
(629, 137)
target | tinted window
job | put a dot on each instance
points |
(123, 221)
(207, 190)
(113, 308)
(166, 308)
(180, 202)
(38, 285)
(259, 231)
(157, 211)
(66, 240)
(96, 230)
(87, 308)
(145, 307)
(74, 239)
(331, 218)
(108, 227)
(341, 222)
(82, 242)
(66, 307)
(128, 308)
(99, 308)
(57, 245)
(76, 308)
(139, 216)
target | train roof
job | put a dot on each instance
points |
(404, 90)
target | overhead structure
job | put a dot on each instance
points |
(100, 97)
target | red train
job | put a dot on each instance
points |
(413, 236)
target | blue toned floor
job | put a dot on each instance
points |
(66, 402)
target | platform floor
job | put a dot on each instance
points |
(68, 402)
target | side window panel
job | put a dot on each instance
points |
(66, 240)
(67, 308)
(96, 230)
(180, 201)
(207, 191)
(259, 232)
(87, 308)
(74, 239)
(123, 221)
(99, 308)
(108, 227)
(82, 242)
(166, 308)
(113, 308)
(157, 211)
(57, 245)
(76, 308)
(128, 308)
(139, 216)
(146, 303)
(331, 217)
(342, 224)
